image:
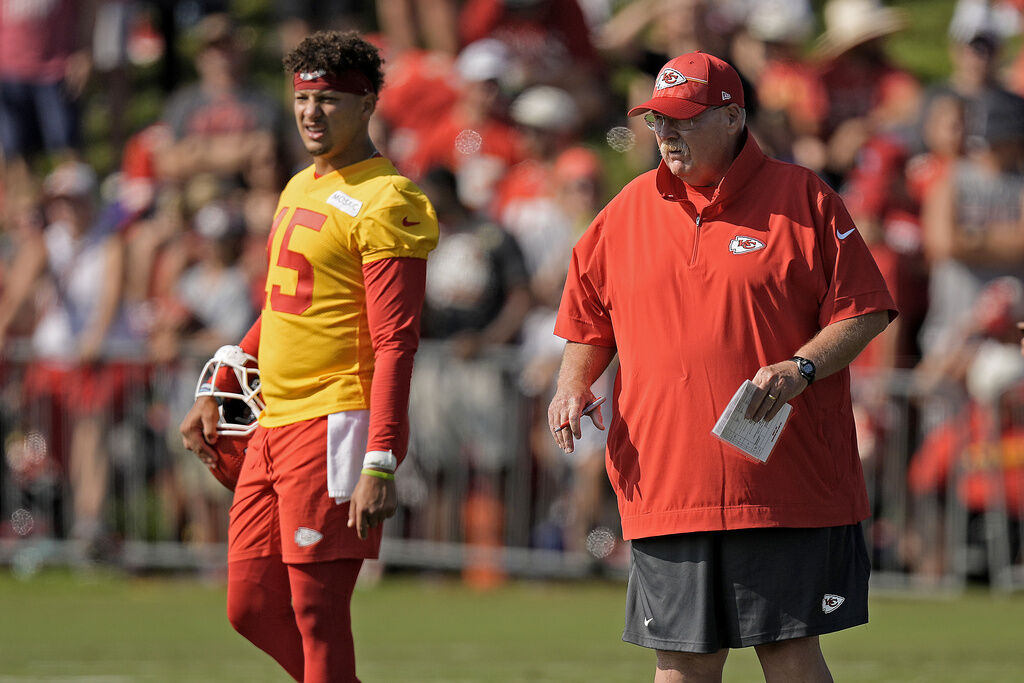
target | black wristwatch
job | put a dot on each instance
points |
(805, 368)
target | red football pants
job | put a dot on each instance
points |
(299, 614)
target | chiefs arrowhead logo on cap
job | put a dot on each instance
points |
(669, 78)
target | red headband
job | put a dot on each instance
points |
(349, 81)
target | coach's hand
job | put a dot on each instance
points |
(777, 385)
(199, 429)
(373, 501)
(565, 414)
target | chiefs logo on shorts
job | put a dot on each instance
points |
(744, 245)
(830, 602)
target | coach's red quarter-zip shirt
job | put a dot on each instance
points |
(695, 301)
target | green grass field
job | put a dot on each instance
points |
(56, 627)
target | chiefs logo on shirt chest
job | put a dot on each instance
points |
(741, 244)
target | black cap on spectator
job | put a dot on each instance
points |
(985, 43)
(1000, 118)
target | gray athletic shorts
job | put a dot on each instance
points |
(701, 592)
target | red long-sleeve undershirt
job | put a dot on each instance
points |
(394, 303)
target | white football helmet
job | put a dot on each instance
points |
(239, 407)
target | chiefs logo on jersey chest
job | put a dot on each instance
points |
(742, 244)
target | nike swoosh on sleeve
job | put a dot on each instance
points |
(844, 235)
(408, 223)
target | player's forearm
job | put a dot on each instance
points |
(389, 403)
(835, 346)
(394, 301)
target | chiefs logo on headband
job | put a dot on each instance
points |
(351, 81)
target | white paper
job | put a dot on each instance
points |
(755, 439)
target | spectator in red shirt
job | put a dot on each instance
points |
(525, 201)
(84, 345)
(550, 39)
(723, 267)
(983, 444)
(422, 87)
(549, 31)
(475, 130)
(410, 24)
(791, 103)
(866, 92)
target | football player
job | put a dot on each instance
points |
(347, 265)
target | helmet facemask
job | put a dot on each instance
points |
(233, 380)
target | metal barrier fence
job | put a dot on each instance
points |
(93, 471)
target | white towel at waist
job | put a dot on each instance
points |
(347, 434)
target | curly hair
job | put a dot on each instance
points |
(336, 52)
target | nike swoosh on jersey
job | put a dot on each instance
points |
(844, 235)
(408, 223)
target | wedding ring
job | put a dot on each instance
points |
(774, 398)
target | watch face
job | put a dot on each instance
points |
(805, 368)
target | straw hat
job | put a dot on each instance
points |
(849, 23)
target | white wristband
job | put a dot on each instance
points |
(381, 460)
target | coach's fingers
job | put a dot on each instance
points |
(774, 409)
(762, 401)
(563, 437)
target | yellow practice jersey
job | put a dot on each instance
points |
(315, 353)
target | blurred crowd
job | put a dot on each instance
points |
(510, 114)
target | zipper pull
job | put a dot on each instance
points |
(698, 220)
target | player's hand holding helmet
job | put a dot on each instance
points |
(233, 380)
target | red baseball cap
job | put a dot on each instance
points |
(689, 84)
